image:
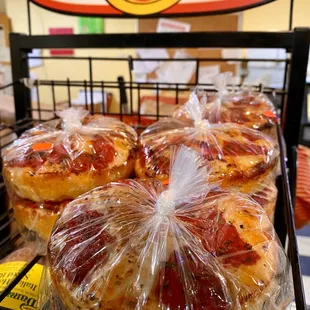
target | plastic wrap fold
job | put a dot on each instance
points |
(242, 106)
(139, 244)
(238, 157)
(55, 162)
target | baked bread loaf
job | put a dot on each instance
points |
(244, 107)
(36, 217)
(237, 156)
(139, 244)
(251, 109)
(62, 159)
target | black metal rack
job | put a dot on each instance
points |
(291, 95)
(305, 122)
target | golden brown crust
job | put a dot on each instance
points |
(57, 187)
(243, 181)
(237, 156)
(40, 221)
(251, 283)
(51, 163)
(251, 109)
(254, 228)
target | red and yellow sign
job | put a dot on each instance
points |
(118, 8)
(142, 7)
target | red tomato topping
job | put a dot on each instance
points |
(103, 155)
(49, 205)
(58, 154)
(251, 136)
(82, 163)
(246, 101)
(104, 148)
(222, 239)
(85, 230)
(204, 288)
(161, 164)
(233, 148)
(238, 116)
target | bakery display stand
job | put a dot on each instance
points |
(290, 101)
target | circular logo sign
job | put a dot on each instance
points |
(142, 7)
(139, 8)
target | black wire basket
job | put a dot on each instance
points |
(289, 101)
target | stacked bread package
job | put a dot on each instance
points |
(239, 106)
(57, 161)
(140, 244)
(240, 158)
(193, 231)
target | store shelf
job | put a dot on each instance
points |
(290, 97)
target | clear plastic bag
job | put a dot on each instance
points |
(139, 244)
(244, 106)
(239, 157)
(266, 193)
(57, 161)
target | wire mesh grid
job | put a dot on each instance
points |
(125, 98)
(131, 91)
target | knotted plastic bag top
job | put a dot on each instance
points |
(243, 106)
(237, 155)
(77, 144)
(139, 244)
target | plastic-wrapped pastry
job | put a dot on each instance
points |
(245, 107)
(24, 253)
(57, 161)
(266, 195)
(139, 244)
(238, 156)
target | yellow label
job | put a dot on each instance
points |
(25, 294)
(142, 7)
